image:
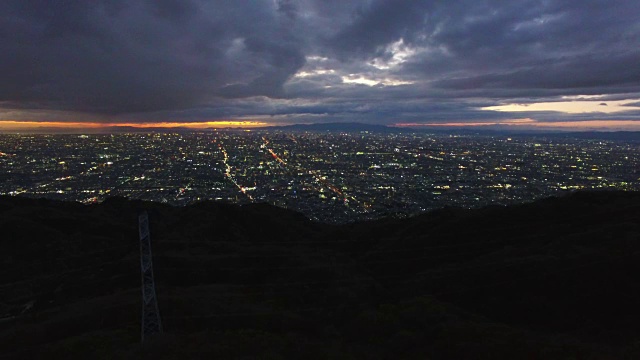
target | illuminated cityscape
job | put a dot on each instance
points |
(328, 176)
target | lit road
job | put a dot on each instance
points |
(227, 172)
(318, 177)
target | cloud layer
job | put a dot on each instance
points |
(311, 61)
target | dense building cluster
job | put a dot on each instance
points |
(328, 176)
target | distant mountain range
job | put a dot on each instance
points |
(345, 127)
(554, 279)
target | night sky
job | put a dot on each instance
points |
(556, 64)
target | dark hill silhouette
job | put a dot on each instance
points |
(554, 279)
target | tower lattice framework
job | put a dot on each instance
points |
(151, 323)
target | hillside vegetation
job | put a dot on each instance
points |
(554, 279)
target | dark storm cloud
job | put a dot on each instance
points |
(117, 57)
(521, 44)
(377, 60)
(378, 24)
(578, 72)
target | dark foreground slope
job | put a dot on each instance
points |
(556, 279)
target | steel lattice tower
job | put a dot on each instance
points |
(151, 323)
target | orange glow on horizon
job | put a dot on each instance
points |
(530, 123)
(28, 125)
(13, 125)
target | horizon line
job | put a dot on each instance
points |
(527, 124)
